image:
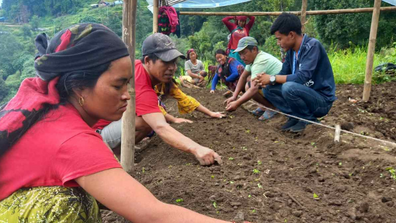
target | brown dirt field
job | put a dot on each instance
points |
(271, 176)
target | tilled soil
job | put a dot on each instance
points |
(271, 176)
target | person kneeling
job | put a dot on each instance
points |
(305, 86)
(258, 62)
(157, 66)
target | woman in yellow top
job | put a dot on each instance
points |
(185, 103)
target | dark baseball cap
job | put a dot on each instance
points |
(162, 46)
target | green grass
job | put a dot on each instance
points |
(349, 65)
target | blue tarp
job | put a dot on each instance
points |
(200, 3)
(208, 3)
(392, 2)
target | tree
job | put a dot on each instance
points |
(10, 50)
(35, 22)
(3, 90)
(347, 30)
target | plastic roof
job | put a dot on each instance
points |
(199, 3)
(212, 3)
(392, 2)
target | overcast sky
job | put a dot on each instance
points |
(1, 1)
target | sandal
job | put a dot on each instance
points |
(268, 114)
(258, 112)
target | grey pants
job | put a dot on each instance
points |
(111, 134)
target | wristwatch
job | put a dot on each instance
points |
(273, 79)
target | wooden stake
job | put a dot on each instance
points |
(318, 12)
(303, 14)
(337, 133)
(128, 119)
(371, 50)
(155, 16)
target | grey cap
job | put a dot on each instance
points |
(162, 46)
(244, 42)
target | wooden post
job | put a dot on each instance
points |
(155, 16)
(337, 133)
(371, 50)
(303, 14)
(317, 12)
(128, 119)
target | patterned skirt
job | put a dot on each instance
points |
(49, 204)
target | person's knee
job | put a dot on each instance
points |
(247, 85)
(288, 88)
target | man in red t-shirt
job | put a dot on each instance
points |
(158, 65)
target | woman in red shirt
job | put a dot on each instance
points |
(53, 165)
(238, 29)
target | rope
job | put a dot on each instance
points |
(327, 126)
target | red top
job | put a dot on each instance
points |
(238, 33)
(146, 98)
(54, 152)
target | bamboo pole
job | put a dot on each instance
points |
(371, 50)
(318, 12)
(128, 118)
(155, 16)
(303, 14)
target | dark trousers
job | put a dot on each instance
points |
(298, 100)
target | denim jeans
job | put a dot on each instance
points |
(298, 100)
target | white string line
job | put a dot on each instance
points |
(327, 126)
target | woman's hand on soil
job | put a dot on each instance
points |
(206, 156)
(182, 120)
(217, 115)
(212, 91)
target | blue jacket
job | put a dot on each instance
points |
(313, 68)
(234, 75)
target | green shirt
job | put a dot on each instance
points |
(264, 62)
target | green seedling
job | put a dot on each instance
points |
(259, 186)
(214, 204)
(381, 175)
(247, 131)
(386, 149)
(143, 170)
(179, 200)
(259, 162)
(256, 171)
(249, 196)
(340, 164)
(253, 211)
(188, 164)
(231, 158)
(392, 171)
(170, 166)
(244, 148)
(313, 143)
(315, 196)
(212, 176)
(231, 182)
